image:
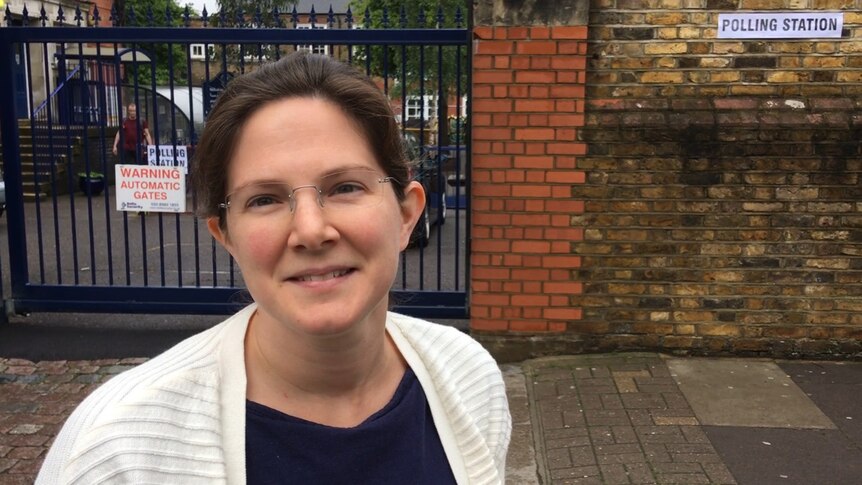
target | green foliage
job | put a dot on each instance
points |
(155, 13)
(250, 7)
(91, 175)
(249, 14)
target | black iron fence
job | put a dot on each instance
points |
(71, 249)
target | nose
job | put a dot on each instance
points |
(310, 227)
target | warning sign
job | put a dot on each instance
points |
(150, 189)
(168, 156)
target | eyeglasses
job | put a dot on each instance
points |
(338, 191)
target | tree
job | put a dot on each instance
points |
(249, 14)
(418, 69)
(170, 60)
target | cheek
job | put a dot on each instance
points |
(259, 248)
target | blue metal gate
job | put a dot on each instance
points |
(72, 250)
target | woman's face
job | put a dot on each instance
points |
(315, 270)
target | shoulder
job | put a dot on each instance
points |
(463, 373)
(168, 406)
(469, 385)
(441, 347)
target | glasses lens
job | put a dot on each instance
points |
(354, 188)
(260, 198)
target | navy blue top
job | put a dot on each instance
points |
(398, 444)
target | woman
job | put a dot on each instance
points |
(301, 176)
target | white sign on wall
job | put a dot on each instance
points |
(783, 25)
(167, 156)
(150, 189)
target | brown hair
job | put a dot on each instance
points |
(299, 74)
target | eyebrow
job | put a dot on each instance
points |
(341, 168)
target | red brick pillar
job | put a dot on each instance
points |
(528, 107)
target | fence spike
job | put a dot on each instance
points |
(330, 17)
(312, 17)
(222, 18)
(459, 17)
(239, 17)
(421, 18)
(169, 16)
(43, 16)
(402, 17)
(349, 18)
(367, 18)
(8, 16)
(25, 15)
(151, 16)
(257, 18)
(78, 15)
(113, 17)
(96, 16)
(440, 17)
(187, 20)
(205, 16)
(384, 19)
(130, 18)
(276, 15)
(294, 16)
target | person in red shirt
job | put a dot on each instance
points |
(131, 141)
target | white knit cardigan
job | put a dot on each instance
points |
(180, 417)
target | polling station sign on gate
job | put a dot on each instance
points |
(150, 189)
(168, 156)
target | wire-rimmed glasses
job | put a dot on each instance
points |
(344, 190)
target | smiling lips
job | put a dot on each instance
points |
(316, 277)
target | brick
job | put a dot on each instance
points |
(534, 134)
(495, 47)
(539, 32)
(524, 77)
(492, 105)
(533, 105)
(569, 32)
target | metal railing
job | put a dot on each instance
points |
(74, 252)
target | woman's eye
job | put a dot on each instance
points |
(347, 188)
(261, 201)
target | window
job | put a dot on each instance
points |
(313, 48)
(424, 107)
(197, 51)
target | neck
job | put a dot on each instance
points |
(282, 363)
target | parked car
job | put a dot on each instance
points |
(427, 171)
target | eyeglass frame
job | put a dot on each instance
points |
(292, 200)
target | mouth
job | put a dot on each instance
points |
(318, 277)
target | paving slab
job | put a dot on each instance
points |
(745, 393)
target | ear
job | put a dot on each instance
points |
(218, 233)
(411, 209)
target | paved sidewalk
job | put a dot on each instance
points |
(617, 419)
(637, 418)
(645, 418)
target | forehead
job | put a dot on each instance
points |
(297, 139)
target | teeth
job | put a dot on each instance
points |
(323, 277)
